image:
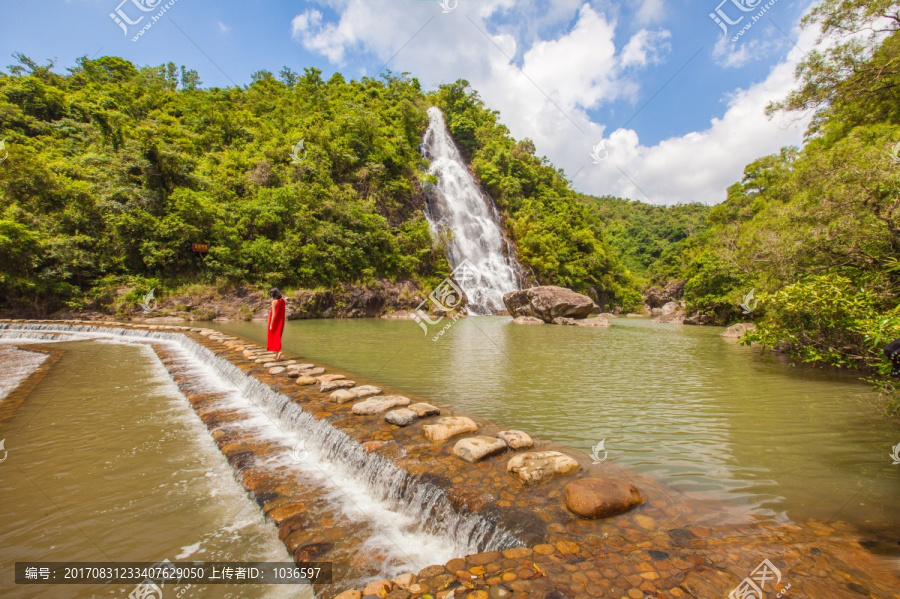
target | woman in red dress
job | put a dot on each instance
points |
(276, 323)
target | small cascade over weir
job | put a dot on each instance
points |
(392, 495)
(457, 206)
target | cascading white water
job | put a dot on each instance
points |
(421, 503)
(458, 207)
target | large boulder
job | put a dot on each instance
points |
(547, 303)
(600, 498)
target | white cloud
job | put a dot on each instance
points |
(646, 47)
(223, 28)
(701, 165)
(650, 11)
(560, 80)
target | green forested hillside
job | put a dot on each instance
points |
(651, 239)
(115, 170)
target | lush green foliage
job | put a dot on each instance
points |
(114, 171)
(651, 240)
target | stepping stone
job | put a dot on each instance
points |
(265, 359)
(293, 366)
(535, 467)
(277, 370)
(313, 371)
(345, 395)
(342, 396)
(474, 449)
(515, 439)
(282, 364)
(306, 380)
(377, 405)
(325, 387)
(449, 427)
(327, 378)
(401, 417)
(424, 410)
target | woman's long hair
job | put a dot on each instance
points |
(275, 294)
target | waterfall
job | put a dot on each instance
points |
(456, 206)
(334, 451)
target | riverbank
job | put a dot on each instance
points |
(667, 547)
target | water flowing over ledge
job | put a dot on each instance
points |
(436, 523)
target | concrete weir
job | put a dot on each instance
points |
(422, 474)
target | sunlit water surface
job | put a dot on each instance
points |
(702, 413)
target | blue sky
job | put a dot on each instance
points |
(678, 104)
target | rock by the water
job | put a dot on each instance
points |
(379, 589)
(564, 321)
(365, 391)
(401, 417)
(528, 320)
(306, 380)
(449, 427)
(535, 467)
(404, 581)
(349, 595)
(327, 378)
(736, 330)
(600, 498)
(345, 395)
(277, 370)
(676, 317)
(377, 405)
(548, 302)
(325, 386)
(515, 439)
(342, 396)
(424, 410)
(597, 321)
(301, 366)
(473, 449)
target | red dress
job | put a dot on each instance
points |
(276, 326)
